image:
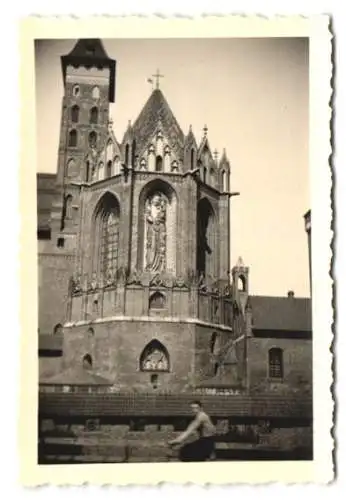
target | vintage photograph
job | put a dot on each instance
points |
(174, 250)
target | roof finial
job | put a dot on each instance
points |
(110, 124)
(205, 130)
(158, 76)
(216, 154)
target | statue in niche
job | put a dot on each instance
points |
(156, 233)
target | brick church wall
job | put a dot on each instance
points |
(297, 364)
(54, 273)
(116, 348)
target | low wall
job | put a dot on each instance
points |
(98, 428)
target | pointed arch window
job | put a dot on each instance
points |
(275, 360)
(154, 357)
(109, 169)
(87, 362)
(88, 173)
(192, 159)
(206, 238)
(75, 114)
(94, 115)
(158, 164)
(92, 139)
(68, 207)
(72, 138)
(107, 236)
(204, 174)
(58, 329)
(157, 301)
(95, 93)
(133, 153)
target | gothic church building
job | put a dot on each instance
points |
(135, 281)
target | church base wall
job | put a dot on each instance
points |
(117, 347)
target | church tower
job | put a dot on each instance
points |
(150, 286)
(89, 84)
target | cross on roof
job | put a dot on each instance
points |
(158, 76)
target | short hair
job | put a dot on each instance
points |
(196, 402)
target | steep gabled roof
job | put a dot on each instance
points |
(157, 109)
(289, 314)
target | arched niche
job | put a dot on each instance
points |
(206, 238)
(157, 227)
(154, 357)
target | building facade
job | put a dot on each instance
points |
(136, 284)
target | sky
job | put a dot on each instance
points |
(253, 94)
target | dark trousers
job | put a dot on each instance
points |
(197, 451)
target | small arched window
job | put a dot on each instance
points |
(241, 283)
(158, 164)
(90, 332)
(192, 165)
(95, 93)
(157, 301)
(75, 114)
(68, 207)
(109, 169)
(58, 329)
(88, 173)
(275, 361)
(76, 91)
(71, 164)
(72, 138)
(94, 115)
(154, 357)
(92, 139)
(87, 362)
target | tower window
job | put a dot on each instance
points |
(76, 91)
(154, 378)
(204, 174)
(109, 168)
(75, 114)
(72, 138)
(95, 93)
(158, 164)
(68, 207)
(60, 242)
(276, 363)
(92, 139)
(94, 115)
(241, 284)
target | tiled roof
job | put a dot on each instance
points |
(50, 342)
(91, 51)
(76, 376)
(45, 193)
(281, 313)
(155, 109)
(106, 404)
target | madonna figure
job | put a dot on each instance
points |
(156, 233)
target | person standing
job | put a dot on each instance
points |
(201, 449)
